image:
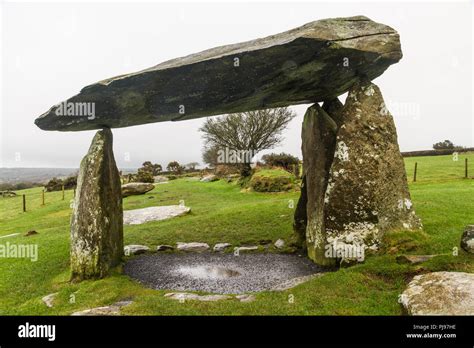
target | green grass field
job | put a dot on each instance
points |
(222, 213)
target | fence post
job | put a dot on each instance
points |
(414, 174)
(63, 191)
(24, 203)
(465, 168)
(42, 197)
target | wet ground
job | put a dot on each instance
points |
(218, 273)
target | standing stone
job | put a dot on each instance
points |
(367, 191)
(318, 134)
(97, 218)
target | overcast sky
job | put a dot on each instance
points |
(51, 50)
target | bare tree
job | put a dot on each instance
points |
(248, 132)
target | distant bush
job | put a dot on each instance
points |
(282, 160)
(444, 145)
(56, 184)
(272, 180)
(175, 167)
(143, 176)
(19, 186)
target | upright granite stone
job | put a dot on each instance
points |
(315, 62)
(355, 186)
(318, 133)
(97, 219)
(367, 191)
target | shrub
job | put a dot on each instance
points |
(56, 184)
(283, 160)
(143, 176)
(272, 180)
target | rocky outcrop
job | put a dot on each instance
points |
(97, 218)
(440, 293)
(315, 62)
(136, 188)
(467, 239)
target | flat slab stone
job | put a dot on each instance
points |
(219, 273)
(111, 310)
(143, 215)
(193, 246)
(315, 62)
(440, 293)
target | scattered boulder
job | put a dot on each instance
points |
(113, 309)
(221, 246)
(279, 244)
(192, 247)
(8, 194)
(160, 179)
(136, 188)
(209, 178)
(164, 247)
(183, 296)
(143, 215)
(238, 250)
(135, 249)
(30, 233)
(49, 299)
(97, 217)
(414, 259)
(467, 239)
(440, 293)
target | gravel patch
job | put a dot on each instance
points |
(218, 273)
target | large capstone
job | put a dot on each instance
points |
(97, 218)
(315, 62)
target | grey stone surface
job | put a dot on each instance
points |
(280, 243)
(184, 296)
(192, 247)
(414, 259)
(48, 300)
(467, 239)
(299, 66)
(244, 249)
(97, 218)
(135, 249)
(440, 293)
(143, 215)
(221, 246)
(164, 247)
(218, 272)
(160, 179)
(111, 310)
(136, 188)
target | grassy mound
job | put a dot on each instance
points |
(272, 180)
